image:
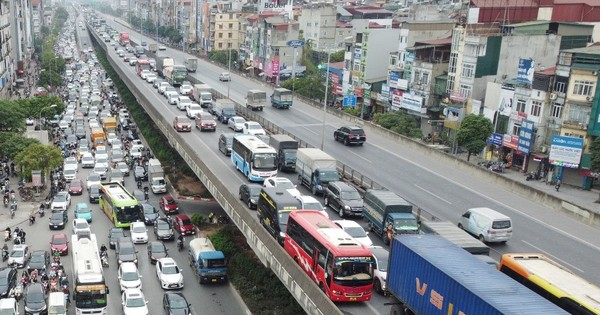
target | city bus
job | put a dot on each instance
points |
(118, 204)
(143, 64)
(552, 281)
(254, 158)
(89, 286)
(341, 266)
(273, 209)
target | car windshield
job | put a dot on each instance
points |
(126, 250)
(81, 225)
(69, 172)
(185, 222)
(163, 225)
(56, 216)
(148, 209)
(170, 201)
(37, 258)
(135, 302)
(255, 191)
(116, 234)
(254, 127)
(130, 276)
(59, 241)
(183, 120)
(170, 270)
(178, 303)
(75, 183)
(356, 231)
(350, 195)
(138, 229)
(158, 249)
(329, 176)
(313, 206)
(83, 209)
(17, 253)
(34, 297)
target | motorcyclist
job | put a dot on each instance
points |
(180, 240)
(4, 252)
(32, 219)
(103, 250)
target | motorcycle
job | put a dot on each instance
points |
(4, 255)
(180, 244)
(13, 210)
(17, 240)
(5, 202)
(18, 291)
(32, 219)
(104, 259)
(41, 212)
(7, 235)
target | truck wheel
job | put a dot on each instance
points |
(397, 310)
(341, 212)
(377, 286)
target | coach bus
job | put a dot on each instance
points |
(552, 281)
(254, 158)
(89, 286)
(119, 205)
(341, 266)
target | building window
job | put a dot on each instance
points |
(220, 45)
(583, 88)
(579, 114)
(230, 25)
(230, 35)
(229, 45)
(220, 26)
(220, 35)
(393, 60)
(425, 78)
(450, 84)
(521, 103)
(516, 129)
(452, 65)
(536, 108)
(565, 58)
(468, 70)
(309, 24)
(557, 110)
(560, 87)
(465, 90)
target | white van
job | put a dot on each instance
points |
(487, 225)
(9, 306)
(57, 304)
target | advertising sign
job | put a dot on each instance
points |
(396, 99)
(394, 76)
(525, 137)
(274, 5)
(566, 151)
(385, 91)
(526, 69)
(295, 43)
(412, 102)
(506, 101)
(275, 66)
(510, 141)
(495, 139)
(349, 101)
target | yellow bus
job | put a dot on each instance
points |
(552, 281)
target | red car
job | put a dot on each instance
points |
(168, 205)
(76, 187)
(59, 242)
(183, 224)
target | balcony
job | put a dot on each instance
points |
(574, 124)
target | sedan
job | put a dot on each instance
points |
(163, 229)
(60, 243)
(168, 205)
(182, 123)
(162, 47)
(168, 273)
(92, 179)
(193, 110)
(149, 213)
(249, 194)
(124, 168)
(253, 128)
(8, 281)
(183, 102)
(61, 201)
(83, 211)
(139, 233)
(183, 224)
(151, 77)
(69, 175)
(225, 76)
(206, 122)
(236, 123)
(134, 302)
(81, 226)
(40, 260)
(76, 187)
(114, 235)
(35, 298)
(350, 135)
(156, 251)
(282, 182)
(176, 303)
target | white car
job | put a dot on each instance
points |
(94, 124)
(92, 179)
(129, 276)
(81, 225)
(225, 76)
(284, 183)
(172, 97)
(193, 110)
(185, 89)
(168, 274)
(63, 125)
(151, 77)
(183, 102)
(253, 128)
(134, 302)
(236, 123)
(87, 160)
(61, 201)
(144, 73)
(101, 149)
(162, 47)
(110, 137)
(162, 87)
(139, 232)
(70, 163)
(101, 162)
(19, 255)
(381, 260)
(101, 171)
(355, 230)
(70, 174)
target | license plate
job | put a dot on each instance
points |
(55, 226)
(214, 280)
(172, 286)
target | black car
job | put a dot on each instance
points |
(225, 142)
(163, 229)
(140, 173)
(343, 198)
(126, 251)
(35, 299)
(114, 235)
(175, 303)
(8, 280)
(350, 135)
(132, 134)
(58, 220)
(94, 194)
(156, 251)
(148, 212)
(40, 259)
(249, 194)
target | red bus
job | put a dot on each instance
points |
(341, 266)
(143, 64)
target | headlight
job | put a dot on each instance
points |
(281, 234)
(347, 207)
(135, 261)
(252, 201)
(120, 261)
(319, 187)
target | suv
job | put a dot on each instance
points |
(350, 135)
(343, 198)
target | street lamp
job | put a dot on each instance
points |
(40, 117)
(327, 89)
(229, 66)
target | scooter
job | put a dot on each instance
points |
(180, 244)
(6, 201)
(4, 255)
(104, 259)
(7, 235)
(13, 210)
(32, 219)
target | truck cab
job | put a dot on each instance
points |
(256, 99)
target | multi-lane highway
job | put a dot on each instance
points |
(441, 189)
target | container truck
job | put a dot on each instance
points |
(388, 214)
(175, 75)
(191, 64)
(123, 39)
(156, 176)
(162, 63)
(315, 169)
(281, 98)
(427, 274)
(256, 99)
(460, 238)
(208, 264)
(202, 93)
(287, 148)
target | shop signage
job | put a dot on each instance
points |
(510, 141)
(566, 151)
(412, 102)
(495, 139)
(525, 137)
(349, 101)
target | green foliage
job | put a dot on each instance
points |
(473, 132)
(261, 290)
(222, 56)
(595, 154)
(12, 116)
(399, 122)
(14, 143)
(338, 56)
(197, 219)
(354, 111)
(311, 86)
(306, 60)
(38, 157)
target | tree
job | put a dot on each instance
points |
(12, 117)
(13, 143)
(38, 157)
(473, 132)
(595, 157)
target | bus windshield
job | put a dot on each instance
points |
(93, 299)
(127, 214)
(264, 161)
(356, 270)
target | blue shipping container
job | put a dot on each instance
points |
(430, 275)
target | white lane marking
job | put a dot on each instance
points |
(436, 196)
(553, 257)
(492, 200)
(360, 156)
(372, 308)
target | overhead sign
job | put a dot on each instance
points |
(295, 43)
(566, 151)
(525, 137)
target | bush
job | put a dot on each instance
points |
(261, 290)
(399, 122)
(197, 219)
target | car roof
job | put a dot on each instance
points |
(57, 235)
(346, 223)
(168, 261)
(133, 292)
(182, 216)
(128, 266)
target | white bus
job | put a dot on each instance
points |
(254, 158)
(89, 286)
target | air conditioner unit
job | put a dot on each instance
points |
(553, 96)
(594, 72)
(589, 98)
(544, 149)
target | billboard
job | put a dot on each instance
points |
(275, 5)
(526, 70)
(525, 137)
(505, 106)
(566, 151)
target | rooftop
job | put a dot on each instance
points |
(502, 4)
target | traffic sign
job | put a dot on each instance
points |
(295, 43)
(349, 101)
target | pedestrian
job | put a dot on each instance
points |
(557, 186)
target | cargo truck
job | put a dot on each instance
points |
(315, 169)
(156, 177)
(98, 137)
(208, 264)
(224, 109)
(191, 64)
(152, 48)
(162, 63)
(427, 274)
(388, 214)
(287, 148)
(281, 98)
(256, 99)
(202, 93)
(123, 39)
(175, 75)
(109, 124)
